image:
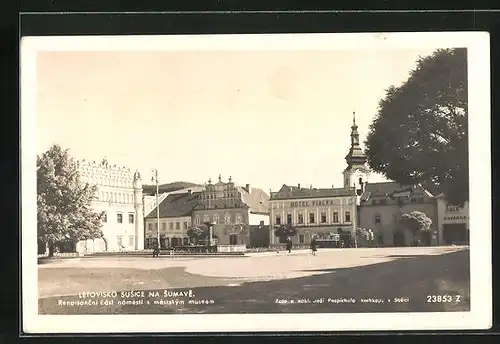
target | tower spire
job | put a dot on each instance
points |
(353, 118)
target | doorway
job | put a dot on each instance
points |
(233, 239)
(399, 239)
(455, 233)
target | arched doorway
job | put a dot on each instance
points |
(399, 238)
(175, 242)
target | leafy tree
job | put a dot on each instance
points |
(195, 234)
(284, 231)
(63, 202)
(420, 134)
(416, 221)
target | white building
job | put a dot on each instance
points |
(452, 222)
(119, 198)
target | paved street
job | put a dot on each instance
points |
(336, 280)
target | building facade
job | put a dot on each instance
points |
(312, 211)
(175, 219)
(119, 198)
(452, 222)
(383, 204)
(234, 211)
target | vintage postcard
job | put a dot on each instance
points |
(236, 183)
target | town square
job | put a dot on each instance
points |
(347, 280)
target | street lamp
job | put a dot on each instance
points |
(154, 179)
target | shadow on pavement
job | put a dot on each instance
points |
(401, 285)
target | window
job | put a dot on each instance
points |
(301, 219)
(216, 219)
(119, 241)
(374, 201)
(130, 218)
(238, 219)
(336, 217)
(278, 219)
(413, 200)
(171, 225)
(185, 225)
(206, 218)
(150, 226)
(377, 218)
(177, 225)
(119, 218)
(227, 219)
(131, 241)
(301, 238)
(289, 219)
(104, 217)
(382, 201)
(347, 216)
(420, 200)
(323, 217)
(311, 217)
(197, 220)
(163, 226)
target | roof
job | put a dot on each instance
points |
(386, 189)
(256, 199)
(176, 205)
(294, 192)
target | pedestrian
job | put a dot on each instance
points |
(314, 245)
(156, 250)
(289, 244)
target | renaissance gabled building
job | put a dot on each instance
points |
(119, 198)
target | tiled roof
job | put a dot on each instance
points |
(294, 192)
(256, 199)
(176, 205)
(385, 189)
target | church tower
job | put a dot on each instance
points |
(356, 172)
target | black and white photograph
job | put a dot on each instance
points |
(233, 183)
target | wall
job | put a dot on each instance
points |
(256, 219)
(201, 216)
(168, 229)
(389, 215)
(117, 193)
(450, 215)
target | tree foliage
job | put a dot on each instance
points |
(284, 231)
(416, 221)
(195, 233)
(420, 134)
(64, 210)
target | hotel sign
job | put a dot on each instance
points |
(307, 204)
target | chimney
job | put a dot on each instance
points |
(189, 191)
(247, 187)
(298, 186)
(311, 186)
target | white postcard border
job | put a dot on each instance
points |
(480, 315)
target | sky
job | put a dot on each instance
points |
(265, 118)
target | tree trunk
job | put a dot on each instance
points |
(51, 247)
